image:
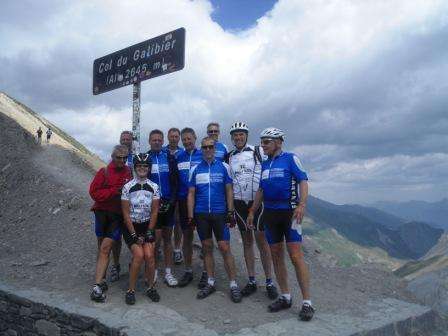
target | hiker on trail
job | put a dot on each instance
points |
(49, 133)
(245, 166)
(173, 148)
(210, 209)
(220, 148)
(284, 190)
(164, 173)
(105, 190)
(140, 204)
(39, 135)
(187, 158)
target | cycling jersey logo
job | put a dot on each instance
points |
(216, 177)
(159, 168)
(277, 172)
(202, 178)
(183, 165)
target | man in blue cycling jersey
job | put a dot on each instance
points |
(186, 158)
(210, 207)
(221, 150)
(165, 174)
(284, 190)
(173, 148)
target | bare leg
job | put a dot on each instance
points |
(103, 259)
(150, 263)
(207, 249)
(229, 261)
(278, 259)
(167, 246)
(265, 253)
(137, 259)
(249, 257)
(116, 251)
(301, 268)
(187, 247)
(177, 230)
(157, 247)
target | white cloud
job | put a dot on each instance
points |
(353, 83)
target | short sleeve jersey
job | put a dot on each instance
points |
(185, 162)
(280, 177)
(245, 167)
(210, 182)
(160, 172)
(221, 151)
(140, 195)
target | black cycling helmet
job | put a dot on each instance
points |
(141, 159)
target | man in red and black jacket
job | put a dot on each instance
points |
(105, 190)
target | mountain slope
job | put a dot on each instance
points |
(399, 242)
(435, 213)
(30, 121)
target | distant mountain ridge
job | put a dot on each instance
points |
(435, 213)
(373, 228)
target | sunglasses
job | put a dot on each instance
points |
(122, 158)
(213, 131)
(209, 147)
(266, 141)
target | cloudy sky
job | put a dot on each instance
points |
(360, 87)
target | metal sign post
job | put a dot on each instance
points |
(136, 117)
(155, 57)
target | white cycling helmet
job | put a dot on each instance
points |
(273, 133)
(239, 126)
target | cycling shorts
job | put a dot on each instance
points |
(140, 230)
(166, 220)
(241, 212)
(108, 224)
(208, 224)
(277, 227)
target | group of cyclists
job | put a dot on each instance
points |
(143, 198)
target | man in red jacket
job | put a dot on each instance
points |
(105, 190)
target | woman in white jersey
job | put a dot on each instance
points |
(140, 203)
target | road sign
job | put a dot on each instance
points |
(158, 56)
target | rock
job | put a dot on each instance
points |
(227, 321)
(74, 203)
(16, 263)
(6, 167)
(25, 311)
(55, 211)
(202, 319)
(39, 263)
(47, 328)
(61, 202)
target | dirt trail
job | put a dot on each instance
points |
(48, 243)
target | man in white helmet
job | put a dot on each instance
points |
(245, 166)
(284, 191)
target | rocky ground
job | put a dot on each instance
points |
(48, 243)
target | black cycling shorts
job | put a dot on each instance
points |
(241, 212)
(108, 224)
(140, 230)
(208, 224)
(277, 226)
(165, 220)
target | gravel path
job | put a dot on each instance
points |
(48, 243)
